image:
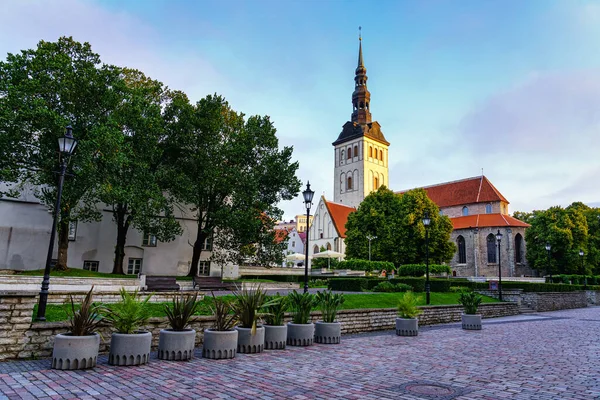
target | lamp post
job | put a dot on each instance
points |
(581, 254)
(548, 248)
(308, 196)
(369, 238)
(66, 145)
(499, 239)
(427, 222)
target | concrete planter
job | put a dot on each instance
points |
(471, 322)
(75, 352)
(275, 337)
(328, 332)
(130, 349)
(219, 345)
(248, 343)
(176, 345)
(407, 326)
(300, 334)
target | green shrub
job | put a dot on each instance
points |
(407, 306)
(180, 311)
(329, 303)
(348, 284)
(275, 309)
(390, 287)
(324, 263)
(470, 301)
(419, 270)
(458, 289)
(301, 305)
(129, 314)
(417, 284)
(247, 306)
(365, 265)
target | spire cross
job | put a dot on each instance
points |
(359, 33)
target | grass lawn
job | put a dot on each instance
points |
(75, 272)
(56, 312)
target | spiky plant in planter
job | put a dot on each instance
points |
(221, 341)
(329, 331)
(275, 330)
(178, 342)
(78, 349)
(301, 331)
(470, 301)
(407, 323)
(247, 306)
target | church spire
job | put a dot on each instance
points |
(361, 98)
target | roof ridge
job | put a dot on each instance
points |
(440, 184)
(496, 190)
(502, 215)
(337, 204)
(479, 191)
(331, 217)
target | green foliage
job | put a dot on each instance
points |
(129, 314)
(389, 287)
(470, 301)
(458, 289)
(529, 286)
(365, 265)
(419, 270)
(332, 263)
(275, 309)
(84, 320)
(301, 305)
(329, 303)
(247, 305)
(180, 312)
(222, 309)
(347, 284)
(407, 306)
(397, 219)
(417, 284)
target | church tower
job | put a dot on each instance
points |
(361, 151)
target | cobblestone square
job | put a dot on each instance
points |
(553, 355)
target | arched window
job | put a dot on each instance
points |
(518, 248)
(465, 211)
(355, 151)
(491, 248)
(328, 246)
(462, 250)
(381, 155)
(315, 249)
(375, 183)
(370, 151)
(488, 208)
(349, 186)
(349, 153)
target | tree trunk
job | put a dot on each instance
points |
(200, 238)
(123, 222)
(63, 246)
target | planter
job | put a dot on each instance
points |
(176, 345)
(248, 343)
(130, 349)
(471, 322)
(300, 334)
(328, 332)
(75, 352)
(275, 337)
(407, 326)
(219, 345)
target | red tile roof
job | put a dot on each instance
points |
(339, 215)
(486, 221)
(465, 191)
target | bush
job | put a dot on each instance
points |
(528, 286)
(301, 305)
(365, 265)
(348, 284)
(470, 301)
(419, 270)
(407, 306)
(129, 314)
(390, 287)
(324, 263)
(329, 303)
(458, 289)
(417, 284)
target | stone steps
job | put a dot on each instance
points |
(524, 309)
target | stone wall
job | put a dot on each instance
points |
(593, 296)
(16, 312)
(552, 301)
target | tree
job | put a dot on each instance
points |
(42, 91)
(566, 231)
(133, 185)
(230, 172)
(396, 221)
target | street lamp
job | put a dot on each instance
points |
(369, 238)
(308, 196)
(427, 222)
(548, 248)
(581, 254)
(499, 238)
(66, 145)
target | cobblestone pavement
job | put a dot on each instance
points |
(553, 355)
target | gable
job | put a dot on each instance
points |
(339, 215)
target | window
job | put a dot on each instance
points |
(491, 248)
(91, 265)
(519, 248)
(321, 235)
(465, 211)
(355, 151)
(349, 185)
(462, 251)
(342, 157)
(381, 155)
(293, 243)
(72, 230)
(488, 208)
(315, 249)
(204, 268)
(134, 266)
(207, 245)
(53, 262)
(149, 240)
(349, 153)
(328, 246)
(375, 183)
(370, 151)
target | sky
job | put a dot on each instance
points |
(509, 87)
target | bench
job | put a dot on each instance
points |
(211, 283)
(161, 283)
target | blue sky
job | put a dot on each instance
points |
(509, 86)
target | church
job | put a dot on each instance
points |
(476, 208)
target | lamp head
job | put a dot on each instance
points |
(498, 236)
(581, 253)
(67, 143)
(548, 247)
(308, 196)
(426, 219)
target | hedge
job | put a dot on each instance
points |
(368, 284)
(365, 265)
(418, 270)
(282, 278)
(526, 286)
(575, 279)
(347, 284)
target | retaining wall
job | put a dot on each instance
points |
(547, 301)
